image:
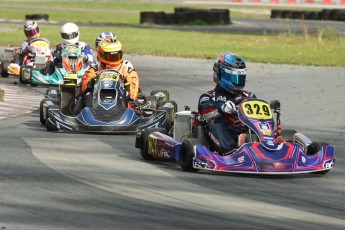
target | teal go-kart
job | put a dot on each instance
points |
(42, 74)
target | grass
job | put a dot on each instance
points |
(323, 49)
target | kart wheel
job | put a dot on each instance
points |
(22, 73)
(314, 147)
(153, 101)
(4, 67)
(287, 134)
(145, 139)
(52, 92)
(170, 108)
(67, 101)
(42, 118)
(187, 155)
(161, 95)
(51, 127)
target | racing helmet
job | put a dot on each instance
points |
(69, 33)
(105, 35)
(109, 53)
(229, 72)
(31, 30)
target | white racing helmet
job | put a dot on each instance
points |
(69, 33)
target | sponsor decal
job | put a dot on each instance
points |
(163, 153)
(240, 159)
(269, 141)
(203, 99)
(214, 139)
(220, 98)
(329, 164)
(303, 159)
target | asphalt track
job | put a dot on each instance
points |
(86, 181)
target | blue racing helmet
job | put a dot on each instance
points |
(229, 72)
(105, 35)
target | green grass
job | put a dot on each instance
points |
(324, 49)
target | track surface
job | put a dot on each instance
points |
(75, 181)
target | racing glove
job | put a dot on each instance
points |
(229, 107)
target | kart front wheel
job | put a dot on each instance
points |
(186, 156)
(42, 118)
(315, 147)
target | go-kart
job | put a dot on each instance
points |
(189, 144)
(10, 55)
(39, 58)
(107, 109)
(72, 63)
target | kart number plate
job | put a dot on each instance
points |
(257, 110)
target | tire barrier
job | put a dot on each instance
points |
(37, 17)
(187, 16)
(325, 14)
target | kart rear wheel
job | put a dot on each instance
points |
(67, 101)
(22, 71)
(144, 146)
(161, 96)
(170, 110)
(52, 92)
(287, 134)
(153, 101)
(186, 155)
(4, 67)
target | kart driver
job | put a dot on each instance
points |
(31, 31)
(110, 56)
(70, 36)
(219, 106)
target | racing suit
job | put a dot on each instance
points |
(23, 56)
(85, 49)
(130, 78)
(223, 134)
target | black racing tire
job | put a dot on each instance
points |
(160, 100)
(67, 101)
(314, 147)
(169, 117)
(287, 134)
(170, 113)
(37, 17)
(21, 73)
(50, 127)
(42, 118)
(186, 155)
(145, 139)
(51, 95)
(153, 101)
(4, 67)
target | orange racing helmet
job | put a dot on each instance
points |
(110, 53)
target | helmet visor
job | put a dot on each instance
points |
(69, 35)
(111, 56)
(236, 76)
(32, 32)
